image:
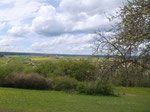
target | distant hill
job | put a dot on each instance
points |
(42, 54)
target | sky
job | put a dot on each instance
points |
(53, 26)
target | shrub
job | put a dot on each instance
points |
(46, 68)
(64, 83)
(4, 71)
(97, 87)
(80, 70)
(13, 66)
(28, 81)
(132, 76)
(86, 87)
(29, 69)
(104, 88)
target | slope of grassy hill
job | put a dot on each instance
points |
(20, 100)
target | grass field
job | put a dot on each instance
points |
(19, 100)
(4, 60)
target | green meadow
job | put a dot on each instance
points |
(21, 100)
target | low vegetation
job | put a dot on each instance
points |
(64, 83)
(63, 75)
(96, 87)
(20, 100)
(27, 81)
(82, 76)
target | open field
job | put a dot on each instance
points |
(42, 58)
(4, 60)
(20, 100)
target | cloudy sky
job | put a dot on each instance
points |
(53, 26)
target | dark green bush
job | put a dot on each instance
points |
(81, 70)
(29, 69)
(104, 88)
(97, 87)
(46, 68)
(28, 81)
(4, 71)
(123, 74)
(13, 66)
(64, 83)
(133, 76)
(86, 87)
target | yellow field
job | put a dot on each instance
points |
(41, 58)
(3, 61)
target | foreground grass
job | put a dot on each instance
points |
(19, 100)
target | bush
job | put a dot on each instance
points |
(29, 69)
(64, 83)
(46, 68)
(86, 87)
(97, 87)
(132, 76)
(28, 81)
(80, 70)
(13, 66)
(104, 88)
(4, 71)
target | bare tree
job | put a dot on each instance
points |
(129, 39)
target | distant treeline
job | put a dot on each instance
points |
(45, 54)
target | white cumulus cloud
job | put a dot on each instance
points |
(64, 28)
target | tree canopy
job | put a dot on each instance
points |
(130, 37)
